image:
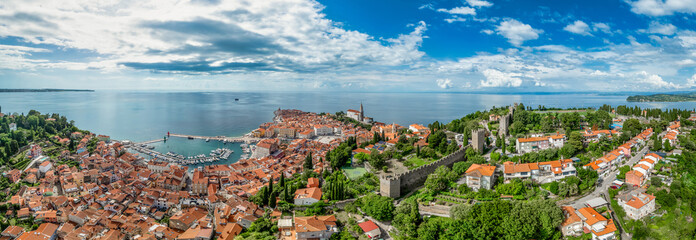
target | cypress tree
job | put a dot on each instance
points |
(287, 196)
(308, 166)
(418, 151)
(272, 200)
(270, 186)
(282, 180)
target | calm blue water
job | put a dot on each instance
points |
(141, 116)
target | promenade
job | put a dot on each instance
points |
(242, 139)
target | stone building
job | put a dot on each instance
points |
(478, 139)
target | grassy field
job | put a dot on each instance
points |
(353, 172)
(415, 162)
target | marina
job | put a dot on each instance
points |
(196, 152)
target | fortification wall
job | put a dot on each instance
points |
(416, 177)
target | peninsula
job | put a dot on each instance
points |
(664, 97)
(44, 90)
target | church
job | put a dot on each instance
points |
(359, 115)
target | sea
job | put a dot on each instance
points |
(147, 115)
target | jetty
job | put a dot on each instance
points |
(151, 141)
(242, 139)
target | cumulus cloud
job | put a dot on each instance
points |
(662, 7)
(444, 83)
(517, 32)
(654, 81)
(601, 27)
(198, 37)
(664, 29)
(459, 11)
(495, 78)
(691, 82)
(479, 3)
(578, 27)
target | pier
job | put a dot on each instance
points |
(151, 141)
(243, 139)
(174, 158)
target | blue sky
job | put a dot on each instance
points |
(358, 45)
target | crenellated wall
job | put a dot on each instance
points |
(412, 179)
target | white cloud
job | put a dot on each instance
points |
(599, 73)
(691, 82)
(495, 78)
(488, 31)
(426, 6)
(444, 83)
(479, 3)
(654, 81)
(456, 19)
(662, 7)
(578, 27)
(517, 32)
(601, 27)
(191, 37)
(459, 11)
(687, 62)
(664, 29)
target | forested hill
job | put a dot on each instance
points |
(44, 90)
(680, 97)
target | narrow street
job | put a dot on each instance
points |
(608, 179)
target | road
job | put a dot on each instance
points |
(32, 163)
(608, 179)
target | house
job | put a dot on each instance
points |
(265, 148)
(670, 137)
(307, 196)
(637, 204)
(313, 183)
(230, 231)
(45, 166)
(196, 233)
(480, 176)
(322, 130)
(532, 144)
(641, 171)
(199, 185)
(598, 225)
(306, 134)
(315, 227)
(594, 136)
(541, 172)
(370, 229)
(12, 231)
(417, 128)
(184, 220)
(13, 127)
(572, 223)
(46, 231)
(14, 175)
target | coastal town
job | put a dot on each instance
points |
(513, 171)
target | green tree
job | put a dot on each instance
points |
(281, 182)
(622, 172)
(378, 207)
(308, 165)
(440, 179)
(407, 218)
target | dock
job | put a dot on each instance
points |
(151, 141)
(243, 139)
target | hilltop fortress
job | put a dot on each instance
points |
(393, 185)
